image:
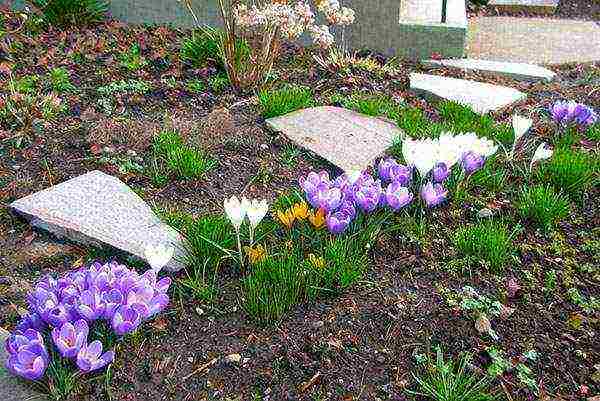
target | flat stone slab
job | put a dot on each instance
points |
(481, 97)
(345, 138)
(13, 388)
(520, 71)
(98, 209)
(538, 6)
(533, 40)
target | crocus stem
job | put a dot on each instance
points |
(239, 243)
(251, 236)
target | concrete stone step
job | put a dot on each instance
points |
(519, 71)
(537, 6)
(481, 97)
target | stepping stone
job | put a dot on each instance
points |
(13, 388)
(479, 96)
(345, 138)
(542, 41)
(520, 71)
(96, 209)
(538, 6)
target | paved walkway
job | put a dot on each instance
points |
(533, 40)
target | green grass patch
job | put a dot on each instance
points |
(570, 171)
(180, 159)
(282, 101)
(542, 206)
(487, 241)
(460, 118)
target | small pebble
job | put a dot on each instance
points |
(485, 213)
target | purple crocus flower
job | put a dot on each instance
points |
(314, 181)
(571, 112)
(91, 305)
(433, 194)
(29, 362)
(368, 197)
(397, 196)
(31, 321)
(126, 319)
(390, 170)
(440, 172)
(112, 300)
(27, 356)
(472, 162)
(70, 338)
(338, 222)
(20, 339)
(90, 357)
(328, 199)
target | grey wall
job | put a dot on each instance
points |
(165, 11)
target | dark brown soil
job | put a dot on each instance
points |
(361, 345)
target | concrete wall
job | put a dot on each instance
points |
(377, 27)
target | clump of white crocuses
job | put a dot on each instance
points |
(237, 210)
(543, 152)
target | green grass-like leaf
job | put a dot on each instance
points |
(285, 100)
(488, 241)
(543, 206)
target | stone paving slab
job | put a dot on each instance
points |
(12, 388)
(98, 209)
(347, 139)
(538, 6)
(481, 97)
(520, 71)
(534, 40)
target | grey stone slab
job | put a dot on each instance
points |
(538, 6)
(481, 97)
(347, 139)
(544, 41)
(13, 388)
(98, 209)
(520, 71)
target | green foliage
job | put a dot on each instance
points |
(60, 81)
(65, 13)
(571, 171)
(132, 59)
(285, 100)
(185, 161)
(460, 118)
(196, 86)
(26, 85)
(303, 264)
(219, 83)
(201, 48)
(491, 177)
(125, 87)
(488, 241)
(567, 137)
(450, 381)
(543, 206)
(370, 105)
(593, 132)
(207, 240)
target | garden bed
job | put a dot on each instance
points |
(364, 342)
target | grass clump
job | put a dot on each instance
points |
(449, 381)
(285, 100)
(183, 160)
(570, 171)
(543, 206)
(488, 241)
(370, 105)
(65, 13)
(460, 118)
(201, 49)
(60, 81)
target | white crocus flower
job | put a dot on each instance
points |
(257, 210)
(408, 151)
(449, 151)
(520, 126)
(236, 211)
(158, 256)
(542, 152)
(353, 175)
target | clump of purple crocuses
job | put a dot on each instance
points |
(572, 113)
(63, 310)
